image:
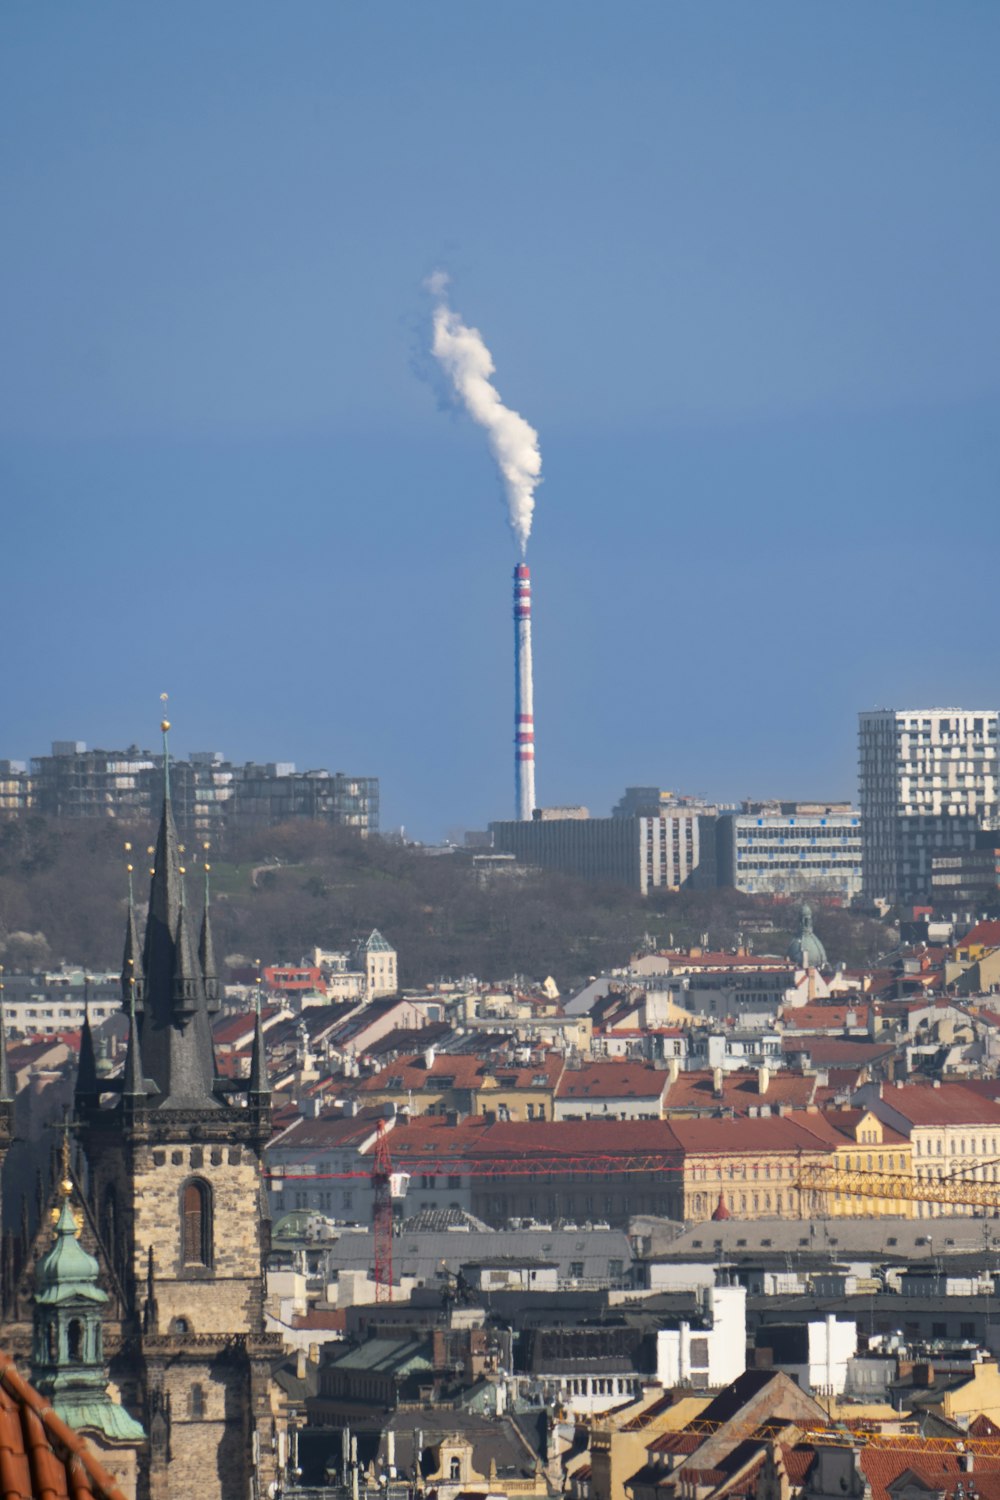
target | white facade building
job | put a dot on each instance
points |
(706, 1358)
(928, 784)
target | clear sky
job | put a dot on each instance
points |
(737, 263)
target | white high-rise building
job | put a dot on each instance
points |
(928, 784)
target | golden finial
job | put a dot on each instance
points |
(164, 722)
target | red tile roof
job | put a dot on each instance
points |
(740, 1091)
(39, 1454)
(939, 1471)
(613, 1080)
(985, 933)
(766, 1134)
(951, 1104)
(825, 1017)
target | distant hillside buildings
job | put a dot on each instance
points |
(209, 792)
(654, 841)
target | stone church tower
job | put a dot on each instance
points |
(174, 1168)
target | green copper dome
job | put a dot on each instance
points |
(67, 1271)
(805, 950)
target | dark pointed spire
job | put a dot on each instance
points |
(131, 975)
(177, 1050)
(133, 1083)
(206, 951)
(86, 1091)
(259, 1086)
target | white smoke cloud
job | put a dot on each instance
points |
(513, 441)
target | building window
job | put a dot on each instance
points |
(196, 1403)
(196, 1223)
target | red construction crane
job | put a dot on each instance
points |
(382, 1214)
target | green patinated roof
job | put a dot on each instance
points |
(67, 1272)
(388, 1356)
(99, 1414)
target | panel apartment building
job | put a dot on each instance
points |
(928, 785)
(791, 848)
(208, 792)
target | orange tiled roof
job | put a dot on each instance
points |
(939, 1471)
(613, 1080)
(39, 1453)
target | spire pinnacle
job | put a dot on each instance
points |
(259, 1086)
(206, 948)
(86, 1091)
(133, 1083)
(130, 978)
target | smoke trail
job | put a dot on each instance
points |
(513, 442)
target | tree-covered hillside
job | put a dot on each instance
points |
(278, 892)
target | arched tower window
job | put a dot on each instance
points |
(74, 1341)
(196, 1223)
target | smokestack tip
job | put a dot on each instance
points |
(522, 571)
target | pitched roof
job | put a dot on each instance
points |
(39, 1453)
(613, 1080)
(986, 933)
(740, 1091)
(949, 1104)
(939, 1471)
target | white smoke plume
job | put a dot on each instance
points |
(513, 441)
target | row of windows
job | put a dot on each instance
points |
(965, 1146)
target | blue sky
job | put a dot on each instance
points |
(736, 263)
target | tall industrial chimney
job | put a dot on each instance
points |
(524, 713)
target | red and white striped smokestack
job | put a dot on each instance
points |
(524, 712)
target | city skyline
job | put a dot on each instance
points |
(737, 269)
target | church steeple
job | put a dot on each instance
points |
(67, 1358)
(176, 1037)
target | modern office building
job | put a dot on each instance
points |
(671, 850)
(928, 785)
(209, 793)
(791, 848)
(968, 876)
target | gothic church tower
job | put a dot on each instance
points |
(175, 1181)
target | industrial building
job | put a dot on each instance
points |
(791, 848)
(928, 785)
